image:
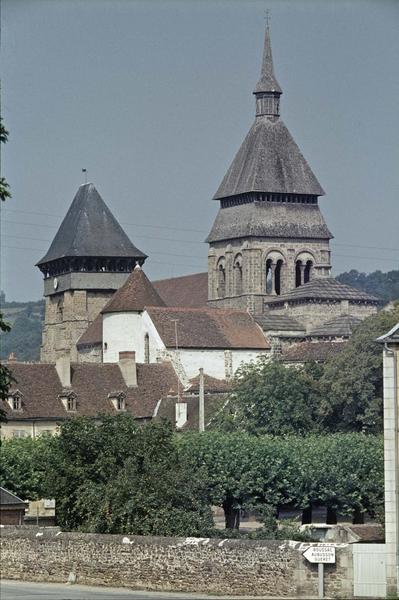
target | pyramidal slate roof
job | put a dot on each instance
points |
(267, 81)
(269, 161)
(136, 293)
(272, 219)
(324, 288)
(90, 229)
(341, 326)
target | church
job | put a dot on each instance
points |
(268, 283)
(115, 341)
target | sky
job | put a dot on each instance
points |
(154, 98)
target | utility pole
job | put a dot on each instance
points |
(175, 321)
(201, 402)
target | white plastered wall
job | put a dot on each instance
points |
(126, 332)
(214, 361)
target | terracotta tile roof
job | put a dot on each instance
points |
(40, 388)
(324, 288)
(208, 328)
(211, 385)
(136, 293)
(213, 404)
(188, 290)
(311, 351)
(93, 334)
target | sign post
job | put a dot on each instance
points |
(321, 554)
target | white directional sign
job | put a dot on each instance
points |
(320, 554)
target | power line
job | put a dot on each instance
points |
(23, 237)
(158, 262)
(121, 222)
(333, 242)
(378, 258)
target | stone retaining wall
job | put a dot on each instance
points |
(240, 567)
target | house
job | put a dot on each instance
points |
(45, 395)
(12, 508)
(136, 319)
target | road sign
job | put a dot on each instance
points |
(320, 554)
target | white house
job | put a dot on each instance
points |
(136, 319)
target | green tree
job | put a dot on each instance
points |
(118, 477)
(268, 397)
(352, 384)
(5, 375)
(341, 471)
(24, 339)
(384, 285)
(23, 466)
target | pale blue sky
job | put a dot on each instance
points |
(155, 97)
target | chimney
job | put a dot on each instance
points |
(63, 368)
(127, 365)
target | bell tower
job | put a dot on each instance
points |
(269, 235)
(89, 259)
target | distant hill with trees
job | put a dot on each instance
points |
(384, 285)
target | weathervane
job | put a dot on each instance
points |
(85, 172)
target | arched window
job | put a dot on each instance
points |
(238, 275)
(298, 273)
(146, 348)
(277, 277)
(221, 274)
(307, 271)
(269, 276)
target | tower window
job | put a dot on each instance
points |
(221, 273)
(238, 275)
(307, 271)
(277, 277)
(298, 273)
(269, 277)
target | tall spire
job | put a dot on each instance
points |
(267, 89)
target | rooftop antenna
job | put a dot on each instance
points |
(85, 172)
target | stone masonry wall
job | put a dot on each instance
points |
(236, 567)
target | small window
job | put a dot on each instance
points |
(71, 403)
(105, 346)
(16, 403)
(120, 403)
(146, 348)
(19, 433)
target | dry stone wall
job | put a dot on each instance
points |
(229, 567)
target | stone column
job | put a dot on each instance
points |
(302, 270)
(272, 271)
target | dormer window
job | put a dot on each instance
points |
(15, 401)
(69, 401)
(118, 400)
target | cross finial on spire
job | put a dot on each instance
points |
(85, 174)
(267, 18)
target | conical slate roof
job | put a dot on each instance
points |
(267, 81)
(89, 229)
(269, 161)
(136, 293)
